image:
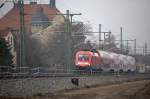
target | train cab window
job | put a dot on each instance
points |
(94, 51)
(83, 57)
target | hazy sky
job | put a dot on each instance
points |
(132, 15)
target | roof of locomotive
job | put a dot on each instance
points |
(84, 52)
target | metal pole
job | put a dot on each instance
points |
(145, 49)
(22, 33)
(68, 42)
(135, 47)
(100, 26)
(110, 39)
(104, 40)
(121, 39)
(71, 43)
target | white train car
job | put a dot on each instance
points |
(117, 62)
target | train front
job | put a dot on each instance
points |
(83, 59)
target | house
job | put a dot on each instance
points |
(37, 17)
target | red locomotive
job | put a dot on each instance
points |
(104, 61)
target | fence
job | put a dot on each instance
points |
(26, 72)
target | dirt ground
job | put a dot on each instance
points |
(128, 90)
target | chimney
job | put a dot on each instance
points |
(52, 4)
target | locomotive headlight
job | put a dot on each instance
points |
(86, 63)
(79, 63)
(83, 63)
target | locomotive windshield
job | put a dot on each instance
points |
(83, 57)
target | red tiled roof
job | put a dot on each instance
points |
(11, 19)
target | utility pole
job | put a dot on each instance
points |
(143, 50)
(146, 49)
(135, 47)
(127, 46)
(22, 34)
(100, 29)
(109, 35)
(104, 38)
(69, 39)
(109, 38)
(121, 39)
